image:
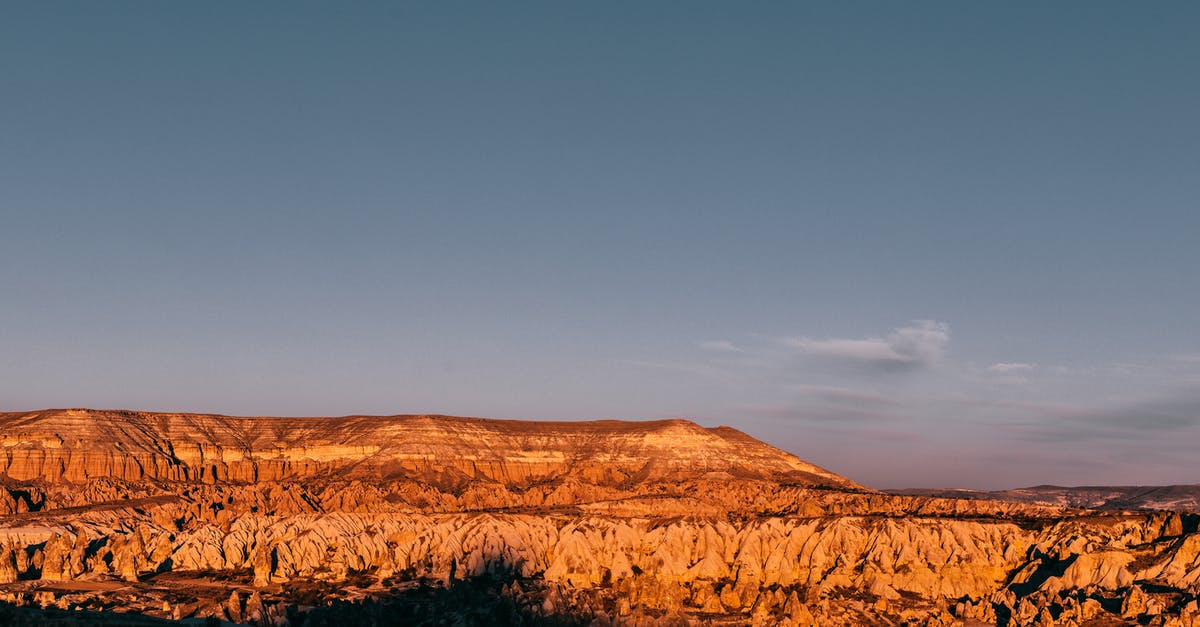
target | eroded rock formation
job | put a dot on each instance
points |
(294, 520)
(78, 445)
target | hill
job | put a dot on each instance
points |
(124, 517)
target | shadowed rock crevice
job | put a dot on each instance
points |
(477, 601)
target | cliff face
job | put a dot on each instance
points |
(574, 523)
(78, 445)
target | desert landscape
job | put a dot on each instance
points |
(645, 314)
(120, 517)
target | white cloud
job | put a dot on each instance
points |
(1011, 367)
(920, 344)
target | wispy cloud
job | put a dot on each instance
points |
(720, 346)
(907, 396)
(919, 345)
(1175, 414)
(1034, 408)
(829, 405)
(846, 396)
(1178, 411)
(1011, 367)
(819, 414)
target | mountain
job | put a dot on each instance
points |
(1166, 498)
(80, 444)
(120, 517)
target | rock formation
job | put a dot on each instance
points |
(79, 445)
(400, 520)
(1169, 497)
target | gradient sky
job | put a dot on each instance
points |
(921, 244)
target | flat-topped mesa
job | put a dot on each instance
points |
(79, 444)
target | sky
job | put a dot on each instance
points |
(933, 244)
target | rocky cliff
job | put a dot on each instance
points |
(432, 520)
(79, 445)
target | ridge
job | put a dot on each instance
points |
(83, 444)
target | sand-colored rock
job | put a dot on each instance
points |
(78, 445)
(625, 523)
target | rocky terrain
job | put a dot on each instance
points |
(139, 518)
(1166, 498)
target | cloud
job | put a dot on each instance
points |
(829, 414)
(1011, 367)
(1175, 416)
(831, 406)
(1036, 408)
(1178, 411)
(722, 346)
(845, 396)
(919, 345)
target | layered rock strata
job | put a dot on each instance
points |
(754, 538)
(78, 445)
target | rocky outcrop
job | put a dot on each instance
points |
(761, 570)
(80, 445)
(539, 523)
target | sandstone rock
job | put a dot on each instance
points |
(8, 565)
(1135, 603)
(233, 607)
(651, 523)
(78, 445)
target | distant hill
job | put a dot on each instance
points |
(1169, 498)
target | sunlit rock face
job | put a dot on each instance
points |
(411, 519)
(77, 445)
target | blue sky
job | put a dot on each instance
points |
(937, 244)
